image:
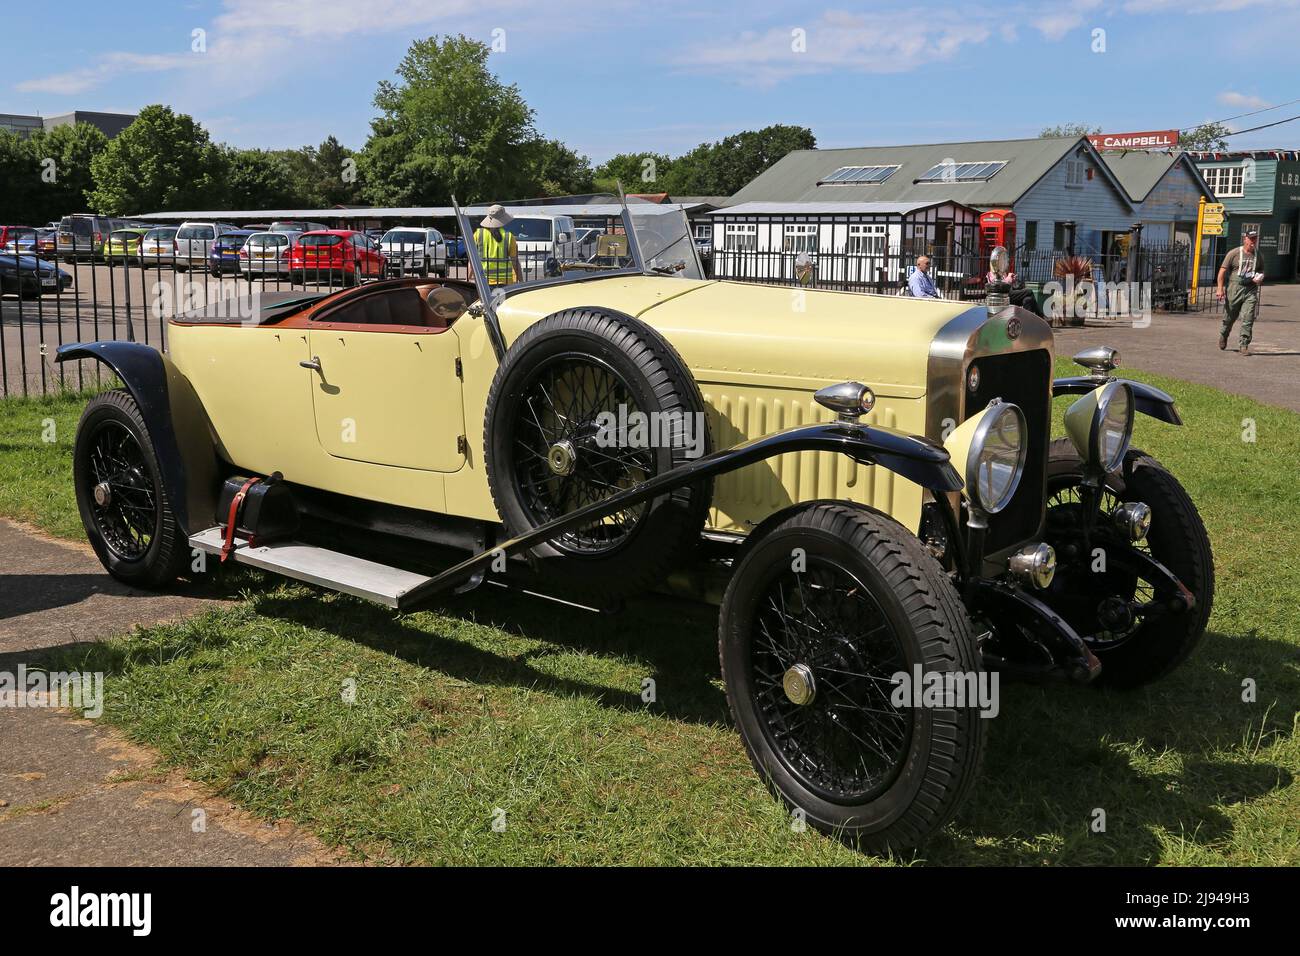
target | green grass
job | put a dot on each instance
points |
(501, 701)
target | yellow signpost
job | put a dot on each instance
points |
(1211, 220)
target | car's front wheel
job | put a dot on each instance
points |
(835, 619)
(1129, 616)
(121, 497)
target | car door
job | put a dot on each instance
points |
(388, 393)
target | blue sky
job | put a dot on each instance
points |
(627, 75)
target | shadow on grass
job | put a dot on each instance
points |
(1166, 758)
(1057, 754)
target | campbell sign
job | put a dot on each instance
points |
(1153, 139)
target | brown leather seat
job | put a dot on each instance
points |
(386, 307)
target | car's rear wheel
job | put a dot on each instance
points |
(829, 603)
(120, 494)
(588, 403)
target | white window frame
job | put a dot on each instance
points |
(1226, 182)
(800, 232)
(704, 230)
(867, 239)
(1284, 238)
(741, 237)
(1076, 173)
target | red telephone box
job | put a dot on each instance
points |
(997, 228)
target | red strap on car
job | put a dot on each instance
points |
(229, 544)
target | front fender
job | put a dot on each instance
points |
(917, 459)
(177, 423)
(1147, 399)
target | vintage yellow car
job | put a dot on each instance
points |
(867, 485)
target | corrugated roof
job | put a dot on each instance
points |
(408, 212)
(827, 208)
(1138, 170)
(795, 177)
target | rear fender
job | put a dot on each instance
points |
(178, 425)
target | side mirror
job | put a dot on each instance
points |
(563, 237)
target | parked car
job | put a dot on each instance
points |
(335, 255)
(194, 243)
(297, 225)
(124, 244)
(408, 250)
(9, 233)
(267, 253)
(158, 247)
(455, 248)
(23, 240)
(29, 276)
(224, 256)
(82, 235)
(47, 242)
(540, 238)
(878, 548)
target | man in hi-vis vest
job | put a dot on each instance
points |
(497, 248)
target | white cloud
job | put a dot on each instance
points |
(105, 68)
(881, 42)
(1058, 23)
(271, 35)
(1241, 100)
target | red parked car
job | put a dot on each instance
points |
(341, 255)
(8, 233)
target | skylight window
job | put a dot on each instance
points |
(976, 172)
(857, 175)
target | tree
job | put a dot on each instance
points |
(1210, 137)
(256, 179)
(638, 172)
(723, 168)
(556, 170)
(324, 175)
(1073, 130)
(21, 175)
(163, 160)
(449, 126)
(63, 156)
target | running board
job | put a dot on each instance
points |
(330, 569)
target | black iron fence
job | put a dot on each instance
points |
(129, 286)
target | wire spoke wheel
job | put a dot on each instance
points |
(124, 502)
(1131, 616)
(569, 457)
(823, 658)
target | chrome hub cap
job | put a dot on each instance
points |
(103, 494)
(562, 457)
(799, 685)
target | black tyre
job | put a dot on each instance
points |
(547, 455)
(868, 601)
(120, 495)
(1140, 650)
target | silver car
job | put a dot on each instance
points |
(158, 247)
(267, 253)
(82, 235)
(414, 250)
(194, 242)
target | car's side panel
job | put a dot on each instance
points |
(259, 401)
(415, 420)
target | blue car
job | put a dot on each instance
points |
(455, 247)
(226, 248)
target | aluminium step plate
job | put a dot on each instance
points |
(331, 569)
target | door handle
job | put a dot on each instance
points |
(314, 364)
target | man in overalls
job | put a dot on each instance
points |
(1245, 273)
